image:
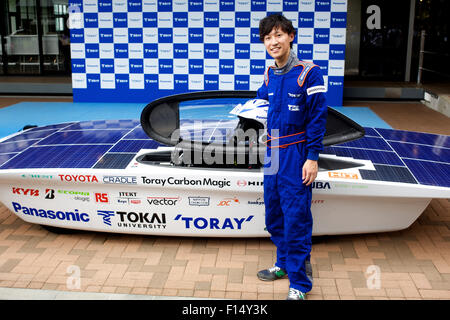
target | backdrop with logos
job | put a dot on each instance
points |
(140, 50)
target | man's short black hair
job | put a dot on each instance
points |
(276, 20)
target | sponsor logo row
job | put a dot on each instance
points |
(132, 198)
(133, 180)
(129, 198)
(136, 220)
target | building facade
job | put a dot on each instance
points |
(381, 41)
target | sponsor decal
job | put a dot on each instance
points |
(101, 197)
(213, 223)
(51, 214)
(199, 201)
(78, 195)
(128, 198)
(244, 183)
(141, 220)
(49, 194)
(187, 182)
(293, 107)
(343, 175)
(25, 192)
(163, 201)
(294, 95)
(320, 185)
(241, 183)
(37, 176)
(78, 178)
(226, 202)
(106, 215)
(119, 180)
(257, 202)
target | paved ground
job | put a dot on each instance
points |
(411, 264)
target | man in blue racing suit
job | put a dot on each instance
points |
(296, 124)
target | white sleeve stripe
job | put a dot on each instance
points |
(316, 89)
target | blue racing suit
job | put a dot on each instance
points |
(298, 110)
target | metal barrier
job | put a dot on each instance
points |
(421, 58)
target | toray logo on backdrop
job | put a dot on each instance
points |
(120, 50)
(338, 20)
(107, 65)
(180, 20)
(120, 20)
(91, 20)
(104, 6)
(195, 66)
(337, 52)
(92, 50)
(323, 5)
(305, 51)
(106, 35)
(257, 66)
(166, 66)
(180, 51)
(195, 6)
(254, 35)
(226, 5)
(195, 35)
(122, 80)
(136, 66)
(321, 35)
(135, 35)
(242, 51)
(165, 35)
(258, 5)
(226, 66)
(78, 66)
(306, 20)
(242, 19)
(164, 6)
(290, 5)
(226, 35)
(135, 5)
(151, 50)
(213, 223)
(242, 82)
(150, 20)
(211, 19)
(211, 50)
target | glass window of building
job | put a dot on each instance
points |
(34, 36)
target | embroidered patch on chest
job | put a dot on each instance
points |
(293, 107)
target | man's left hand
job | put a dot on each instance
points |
(310, 169)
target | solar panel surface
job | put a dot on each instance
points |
(398, 156)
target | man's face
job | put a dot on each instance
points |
(278, 44)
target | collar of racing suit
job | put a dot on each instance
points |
(292, 61)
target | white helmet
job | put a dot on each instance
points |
(255, 109)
